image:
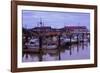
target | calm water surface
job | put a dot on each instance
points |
(71, 52)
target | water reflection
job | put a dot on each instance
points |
(66, 52)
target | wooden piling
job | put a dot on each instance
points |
(40, 48)
(59, 44)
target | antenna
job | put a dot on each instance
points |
(40, 22)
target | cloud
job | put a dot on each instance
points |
(55, 19)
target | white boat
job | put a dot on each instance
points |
(33, 43)
(50, 46)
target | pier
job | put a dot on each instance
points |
(45, 39)
(56, 37)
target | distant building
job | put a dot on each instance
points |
(75, 29)
(43, 28)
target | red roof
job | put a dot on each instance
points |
(75, 27)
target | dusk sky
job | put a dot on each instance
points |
(31, 19)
